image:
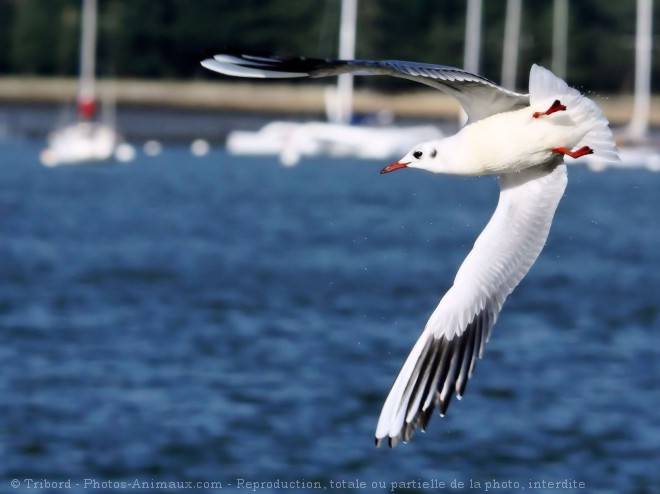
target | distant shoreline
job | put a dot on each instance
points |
(278, 98)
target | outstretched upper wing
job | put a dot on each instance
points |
(443, 358)
(479, 96)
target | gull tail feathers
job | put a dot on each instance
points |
(545, 88)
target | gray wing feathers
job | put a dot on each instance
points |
(479, 96)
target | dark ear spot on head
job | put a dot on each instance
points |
(434, 153)
(417, 154)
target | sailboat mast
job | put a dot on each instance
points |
(643, 40)
(347, 29)
(511, 41)
(559, 37)
(472, 47)
(86, 88)
(472, 36)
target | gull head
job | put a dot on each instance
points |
(425, 156)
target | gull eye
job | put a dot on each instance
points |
(417, 154)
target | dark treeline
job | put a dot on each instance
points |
(167, 38)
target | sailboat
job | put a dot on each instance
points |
(338, 136)
(635, 147)
(86, 140)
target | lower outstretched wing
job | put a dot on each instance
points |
(443, 358)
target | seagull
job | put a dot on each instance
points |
(521, 138)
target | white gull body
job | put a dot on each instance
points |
(523, 139)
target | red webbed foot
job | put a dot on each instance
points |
(555, 107)
(584, 150)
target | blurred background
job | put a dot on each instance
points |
(205, 279)
(143, 39)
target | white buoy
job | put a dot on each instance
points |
(48, 158)
(152, 148)
(125, 153)
(200, 147)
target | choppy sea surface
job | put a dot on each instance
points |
(228, 320)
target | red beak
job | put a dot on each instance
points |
(393, 166)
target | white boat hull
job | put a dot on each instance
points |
(292, 141)
(82, 142)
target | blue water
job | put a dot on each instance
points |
(220, 318)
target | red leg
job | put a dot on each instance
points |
(584, 150)
(555, 107)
